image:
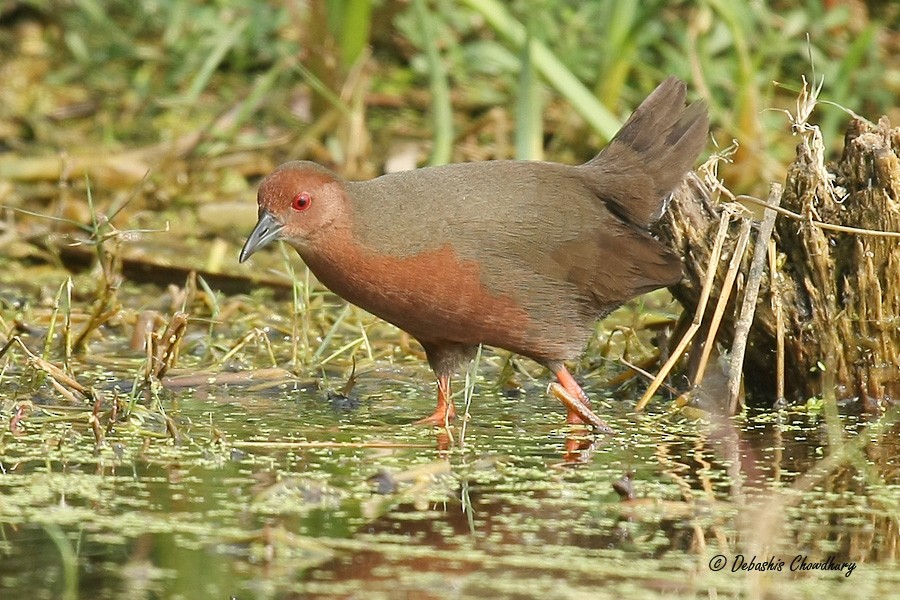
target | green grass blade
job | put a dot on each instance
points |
(68, 558)
(529, 108)
(353, 29)
(442, 110)
(619, 50)
(321, 88)
(551, 68)
(229, 38)
(262, 88)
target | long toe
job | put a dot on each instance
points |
(577, 411)
(441, 416)
(438, 419)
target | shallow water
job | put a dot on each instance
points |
(291, 492)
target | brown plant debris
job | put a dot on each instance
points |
(837, 271)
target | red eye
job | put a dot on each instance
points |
(301, 201)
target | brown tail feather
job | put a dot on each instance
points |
(651, 153)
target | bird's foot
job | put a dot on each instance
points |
(441, 417)
(445, 411)
(578, 412)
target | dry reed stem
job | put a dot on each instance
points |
(253, 334)
(167, 348)
(815, 223)
(254, 377)
(751, 294)
(61, 381)
(777, 309)
(725, 219)
(737, 256)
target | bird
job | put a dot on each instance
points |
(520, 255)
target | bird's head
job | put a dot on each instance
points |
(298, 201)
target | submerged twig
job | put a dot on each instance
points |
(300, 445)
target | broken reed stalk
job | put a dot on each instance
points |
(751, 293)
(779, 326)
(257, 445)
(299, 312)
(94, 422)
(51, 326)
(253, 334)
(254, 379)
(146, 323)
(833, 283)
(724, 221)
(67, 327)
(737, 255)
(106, 304)
(640, 370)
(167, 347)
(64, 293)
(348, 386)
(61, 381)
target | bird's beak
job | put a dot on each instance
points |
(266, 230)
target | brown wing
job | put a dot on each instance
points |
(616, 263)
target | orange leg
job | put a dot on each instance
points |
(578, 449)
(445, 411)
(570, 385)
(578, 405)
